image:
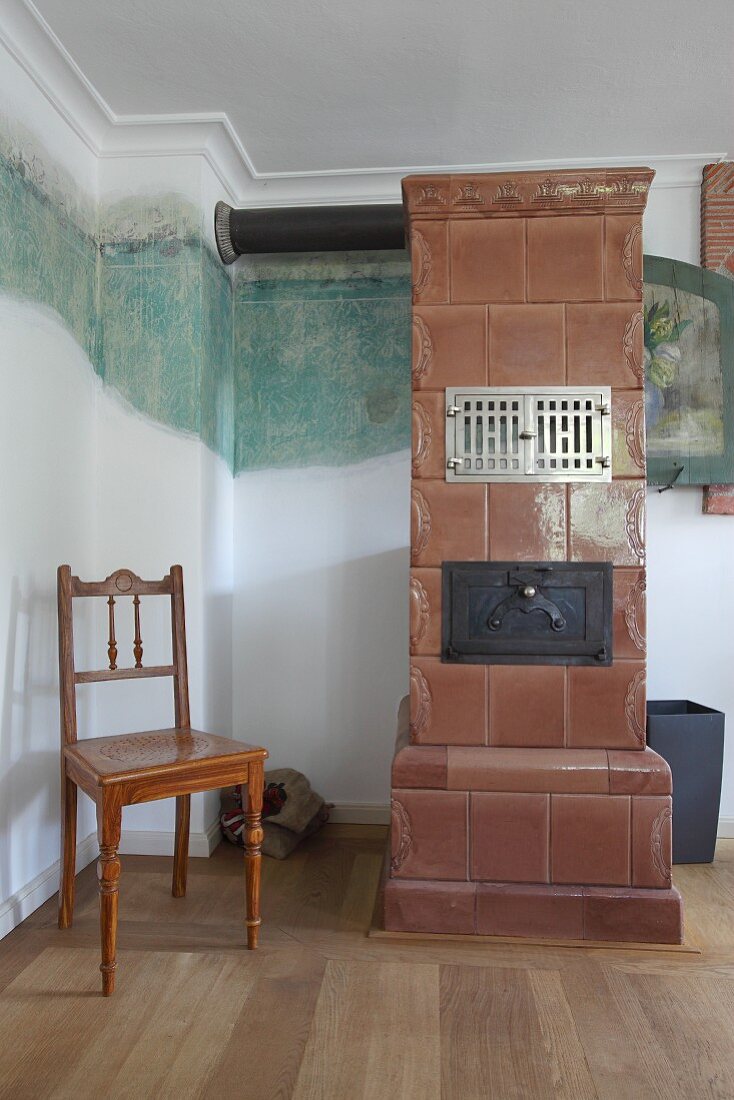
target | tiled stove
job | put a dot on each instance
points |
(525, 801)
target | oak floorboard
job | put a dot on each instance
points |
(375, 1034)
(323, 1011)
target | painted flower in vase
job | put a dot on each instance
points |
(663, 356)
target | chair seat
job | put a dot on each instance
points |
(114, 759)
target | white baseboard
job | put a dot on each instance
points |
(360, 813)
(152, 842)
(31, 896)
(726, 828)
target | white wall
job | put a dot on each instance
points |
(47, 455)
(320, 620)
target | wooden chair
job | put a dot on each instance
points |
(141, 767)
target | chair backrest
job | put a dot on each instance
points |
(118, 585)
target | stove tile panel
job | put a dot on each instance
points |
(527, 522)
(605, 345)
(428, 436)
(633, 915)
(428, 834)
(527, 345)
(429, 907)
(509, 837)
(425, 612)
(473, 278)
(607, 522)
(448, 522)
(639, 773)
(652, 842)
(449, 347)
(629, 615)
(590, 839)
(628, 433)
(623, 257)
(553, 912)
(448, 703)
(565, 259)
(429, 255)
(546, 771)
(420, 766)
(606, 706)
(527, 705)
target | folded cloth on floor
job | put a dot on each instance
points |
(287, 795)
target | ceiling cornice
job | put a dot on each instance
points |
(31, 41)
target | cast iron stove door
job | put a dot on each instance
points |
(554, 613)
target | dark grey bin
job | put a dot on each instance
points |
(691, 738)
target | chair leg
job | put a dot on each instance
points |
(109, 824)
(68, 850)
(181, 845)
(253, 856)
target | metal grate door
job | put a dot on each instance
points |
(556, 433)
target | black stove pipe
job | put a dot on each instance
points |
(307, 229)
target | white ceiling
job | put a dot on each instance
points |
(335, 85)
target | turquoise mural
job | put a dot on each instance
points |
(322, 359)
(304, 361)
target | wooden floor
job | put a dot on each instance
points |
(321, 1012)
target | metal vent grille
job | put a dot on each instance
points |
(557, 433)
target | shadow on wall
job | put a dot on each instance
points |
(321, 665)
(29, 738)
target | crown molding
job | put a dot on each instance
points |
(31, 41)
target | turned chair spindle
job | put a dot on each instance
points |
(138, 641)
(141, 767)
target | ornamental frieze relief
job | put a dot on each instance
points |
(634, 612)
(421, 704)
(402, 835)
(422, 262)
(422, 437)
(419, 612)
(634, 433)
(420, 524)
(632, 257)
(660, 843)
(634, 706)
(632, 346)
(634, 524)
(422, 348)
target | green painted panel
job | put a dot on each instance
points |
(322, 360)
(689, 373)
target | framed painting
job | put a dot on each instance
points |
(689, 373)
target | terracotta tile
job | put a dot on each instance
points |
(429, 435)
(420, 766)
(527, 346)
(448, 522)
(448, 703)
(449, 346)
(623, 256)
(552, 912)
(429, 907)
(590, 839)
(604, 344)
(565, 259)
(430, 261)
(629, 617)
(633, 915)
(606, 706)
(428, 834)
(509, 837)
(527, 705)
(607, 522)
(628, 433)
(527, 522)
(652, 842)
(487, 260)
(639, 773)
(552, 771)
(425, 612)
